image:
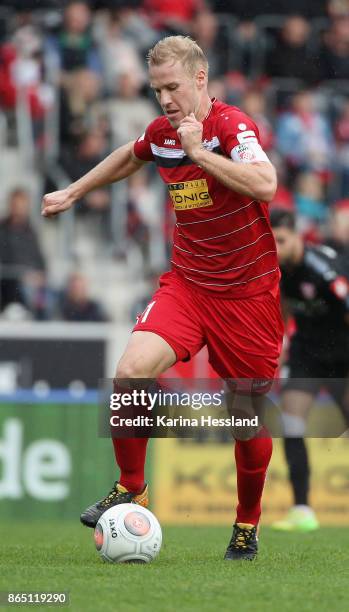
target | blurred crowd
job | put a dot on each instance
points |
(86, 60)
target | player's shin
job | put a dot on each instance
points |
(130, 452)
(130, 455)
(299, 470)
(252, 460)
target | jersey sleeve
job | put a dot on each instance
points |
(142, 147)
(239, 138)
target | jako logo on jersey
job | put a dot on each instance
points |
(191, 194)
(168, 141)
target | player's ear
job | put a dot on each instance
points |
(201, 78)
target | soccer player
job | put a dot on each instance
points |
(315, 288)
(223, 288)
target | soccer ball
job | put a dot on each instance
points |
(128, 532)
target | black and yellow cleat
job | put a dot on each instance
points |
(243, 544)
(118, 495)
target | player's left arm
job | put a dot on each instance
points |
(256, 179)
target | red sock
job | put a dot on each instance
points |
(130, 456)
(130, 453)
(252, 460)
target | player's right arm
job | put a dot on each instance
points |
(120, 164)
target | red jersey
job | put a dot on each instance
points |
(223, 242)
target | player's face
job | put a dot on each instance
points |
(177, 92)
(286, 244)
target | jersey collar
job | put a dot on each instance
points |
(213, 100)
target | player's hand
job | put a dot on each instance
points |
(56, 202)
(190, 135)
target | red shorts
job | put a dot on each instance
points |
(243, 336)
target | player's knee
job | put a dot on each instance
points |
(133, 368)
(244, 433)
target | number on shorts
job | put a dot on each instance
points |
(147, 311)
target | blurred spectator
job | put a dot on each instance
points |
(254, 104)
(338, 235)
(289, 56)
(304, 135)
(342, 138)
(23, 277)
(309, 198)
(73, 47)
(205, 30)
(81, 90)
(142, 211)
(137, 229)
(136, 27)
(118, 55)
(76, 305)
(342, 126)
(141, 192)
(250, 8)
(249, 45)
(217, 88)
(284, 197)
(127, 113)
(92, 148)
(172, 16)
(337, 8)
(334, 55)
(138, 307)
(22, 73)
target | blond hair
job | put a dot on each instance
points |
(178, 48)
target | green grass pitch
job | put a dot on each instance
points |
(294, 573)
